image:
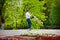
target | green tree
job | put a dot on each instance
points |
(53, 7)
(14, 13)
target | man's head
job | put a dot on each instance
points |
(27, 10)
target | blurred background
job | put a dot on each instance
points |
(12, 14)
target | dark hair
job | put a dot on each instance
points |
(27, 10)
(2, 19)
(32, 16)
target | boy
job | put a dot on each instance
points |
(36, 19)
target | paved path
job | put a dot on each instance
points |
(24, 31)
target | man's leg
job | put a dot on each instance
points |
(29, 23)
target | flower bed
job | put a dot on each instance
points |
(31, 37)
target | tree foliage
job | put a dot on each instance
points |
(54, 7)
(14, 13)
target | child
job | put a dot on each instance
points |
(36, 19)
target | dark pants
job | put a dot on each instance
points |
(29, 23)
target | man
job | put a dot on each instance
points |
(2, 24)
(28, 19)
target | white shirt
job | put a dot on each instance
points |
(27, 15)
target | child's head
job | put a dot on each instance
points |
(32, 16)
